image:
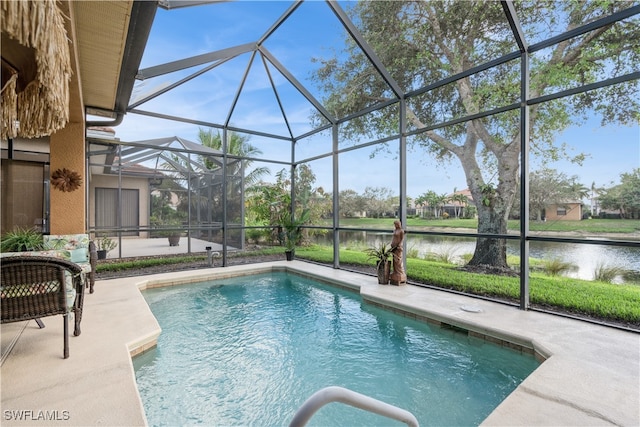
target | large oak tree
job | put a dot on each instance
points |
(423, 42)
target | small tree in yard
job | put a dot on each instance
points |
(378, 201)
(550, 187)
(625, 197)
(270, 203)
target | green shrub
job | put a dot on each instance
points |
(631, 276)
(446, 255)
(412, 252)
(556, 267)
(257, 235)
(606, 273)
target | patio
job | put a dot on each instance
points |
(591, 375)
(136, 247)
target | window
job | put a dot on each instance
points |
(107, 209)
(18, 179)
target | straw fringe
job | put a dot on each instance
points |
(43, 107)
(9, 108)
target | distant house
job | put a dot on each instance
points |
(570, 211)
(456, 208)
(112, 186)
(134, 195)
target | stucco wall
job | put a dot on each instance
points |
(68, 209)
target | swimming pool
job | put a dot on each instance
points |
(250, 350)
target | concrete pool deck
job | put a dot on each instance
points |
(591, 375)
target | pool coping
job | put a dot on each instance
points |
(590, 376)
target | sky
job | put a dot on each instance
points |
(313, 31)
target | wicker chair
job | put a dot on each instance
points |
(93, 260)
(34, 287)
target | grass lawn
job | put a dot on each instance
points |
(587, 226)
(619, 303)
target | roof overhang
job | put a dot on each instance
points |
(106, 41)
(111, 37)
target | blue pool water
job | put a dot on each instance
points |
(250, 350)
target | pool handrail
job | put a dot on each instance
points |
(349, 397)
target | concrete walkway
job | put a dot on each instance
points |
(591, 375)
(136, 246)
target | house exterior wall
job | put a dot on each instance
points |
(572, 212)
(67, 149)
(109, 181)
(68, 209)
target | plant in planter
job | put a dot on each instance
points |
(104, 245)
(169, 227)
(292, 229)
(173, 235)
(382, 254)
(21, 240)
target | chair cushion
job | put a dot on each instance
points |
(31, 289)
(79, 255)
(66, 241)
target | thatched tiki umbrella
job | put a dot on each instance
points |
(36, 69)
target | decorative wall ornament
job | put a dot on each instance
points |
(66, 180)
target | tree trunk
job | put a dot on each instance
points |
(491, 251)
(492, 201)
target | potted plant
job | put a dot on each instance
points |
(169, 227)
(105, 244)
(382, 254)
(21, 240)
(292, 229)
(173, 235)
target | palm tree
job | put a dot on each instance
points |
(238, 181)
(421, 201)
(204, 181)
(433, 200)
(578, 190)
(237, 146)
(462, 200)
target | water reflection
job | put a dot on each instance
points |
(585, 257)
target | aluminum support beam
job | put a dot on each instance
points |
(275, 92)
(194, 61)
(607, 20)
(402, 208)
(514, 23)
(336, 197)
(176, 84)
(177, 4)
(524, 183)
(366, 49)
(239, 91)
(225, 224)
(300, 87)
(279, 22)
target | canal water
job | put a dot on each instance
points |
(585, 258)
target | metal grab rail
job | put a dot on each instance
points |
(349, 397)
